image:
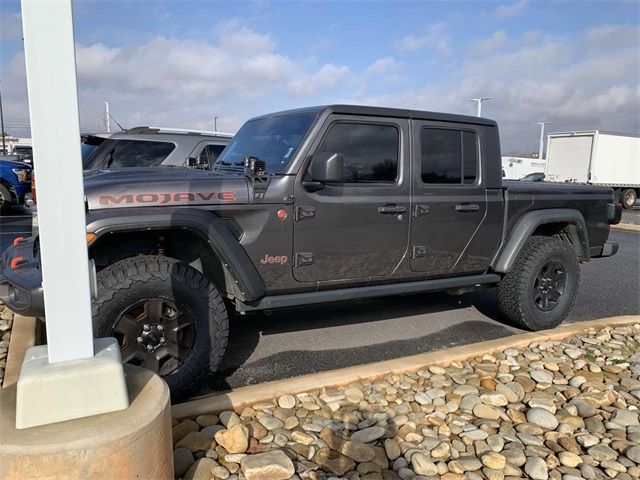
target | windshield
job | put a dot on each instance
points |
(273, 140)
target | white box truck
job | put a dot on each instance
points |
(598, 158)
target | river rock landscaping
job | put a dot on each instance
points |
(560, 410)
(6, 321)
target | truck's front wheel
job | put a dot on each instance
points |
(166, 316)
(539, 290)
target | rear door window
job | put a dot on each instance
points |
(121, 153)
(449, 156)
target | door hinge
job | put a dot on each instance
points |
(302, 259)
(420, 210)
(419, 251)
(304, 212)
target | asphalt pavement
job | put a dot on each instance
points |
(631, 216)
(303, 340)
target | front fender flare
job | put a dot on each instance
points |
(207, 225)
(528, 223)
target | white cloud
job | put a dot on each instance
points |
(552, 79)
(435, 39)
(328, 77)
(511, 9)
(495, 41)
(382, 66)
(180, 82)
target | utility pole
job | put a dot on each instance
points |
(4, 147)
(215, 124)
(106, 117)
(480, 100)
(541, 147)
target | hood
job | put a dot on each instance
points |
(159, 186)
(12, 164)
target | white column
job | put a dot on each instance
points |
(55, 129)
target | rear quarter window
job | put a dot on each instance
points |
(121, 153)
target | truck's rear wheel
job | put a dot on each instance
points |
(166, 316)
(628, 198)
(539, 290)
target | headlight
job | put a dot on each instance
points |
(22, 174)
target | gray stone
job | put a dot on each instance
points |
(536, 468)
(625, 418)
(633, 454)
(602, 452)
(368, 434)
(182, 460)
(422, 465)
(269, 422)
(543, 418)
(541, 376)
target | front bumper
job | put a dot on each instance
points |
(21, 279)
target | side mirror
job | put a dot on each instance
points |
(327, 167)
(192, 162)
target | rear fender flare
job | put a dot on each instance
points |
(207, 225)
(526, 226)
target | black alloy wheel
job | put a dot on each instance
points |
(156, 334)
(549, 286)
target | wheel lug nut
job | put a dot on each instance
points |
(160, 328)
(139, 340)
(149, 347)
(145, 327)
(162, 340)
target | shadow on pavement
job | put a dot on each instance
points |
(245, 333)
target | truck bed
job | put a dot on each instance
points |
(591, 201)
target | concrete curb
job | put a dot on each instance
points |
(629, 227)
(23, 336)
(245, 396)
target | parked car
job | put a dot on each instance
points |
(15, 182)
(533, 177)
(150, 146)
(318, 205)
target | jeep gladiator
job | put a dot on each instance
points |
(318, 205)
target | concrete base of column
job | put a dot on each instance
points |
(131, 443)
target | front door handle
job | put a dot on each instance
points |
(392, 209)
(467, 207)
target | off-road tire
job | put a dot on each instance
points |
(628, 198)
(143, 276)
(5, 198)
(516, 289)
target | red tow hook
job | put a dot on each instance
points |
(17, 240)
(15, 261)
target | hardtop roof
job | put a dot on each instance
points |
(386, 112)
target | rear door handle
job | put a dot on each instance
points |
(392, 209)
(467, 207)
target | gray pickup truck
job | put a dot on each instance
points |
(319, 205)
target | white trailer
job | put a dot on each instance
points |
(598, 158)
(514, 168)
